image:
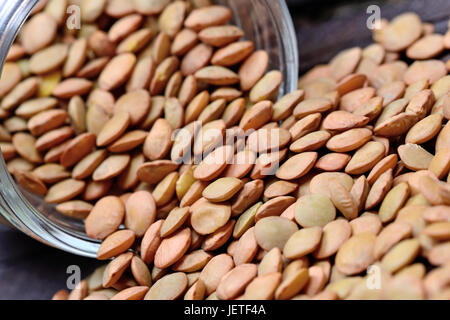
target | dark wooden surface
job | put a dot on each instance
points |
(30, 270)
(325, 27)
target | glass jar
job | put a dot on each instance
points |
(266, 22)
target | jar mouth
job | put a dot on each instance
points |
(31, 215)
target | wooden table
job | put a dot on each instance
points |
(30, 270)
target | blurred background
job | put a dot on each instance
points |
(325, 27)
(30, 270)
